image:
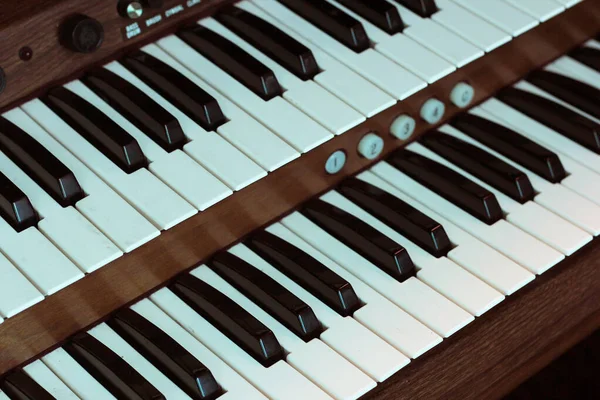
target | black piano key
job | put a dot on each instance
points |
(41, 166)
(306, 271)
(588, 56)
(135, 105)
(270, 40)
(361, 237)
(18, 385)
(461, 191)
(271, 296)
(231, 319)
(424, 8)
(564, 121)
(15, 207)
(97, 128)
(512, 145)
(399, 215)
(166, 354)
(379, 12)
(571, 91)
(184, 94)
(114, 373)
(478, 162)
(333, 21)
(232, 59)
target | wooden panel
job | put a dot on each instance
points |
(35, 24)
(516, 339)
(45, 325)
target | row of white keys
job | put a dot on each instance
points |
(309, 97)
(481, 260)
(470, 26)
(381, 316)
(279, 382)
(336, 77)
(242, 130)
(503, 15)
(344, 334)
(292, 125)
(74, 235)
(405, 51)
(521, 247)
(40, 373)
(380, 70)
(541, 10)
(438, 38)
(16, 292)
(563, 201)
(234, 386)
(413, 296)
(104, 334)
(118, 220)
(538, 132)
(38, 259)
(442, 274)
(208, 149)
(75, 376)
(176, 169)
(530, 217)
(315, 360)
(156, 201)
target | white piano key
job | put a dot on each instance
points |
(279, 382)
(501, 14)
(2, 395)
(75, 376)
(568, 3)
(102, 206)
(437, 38)
(378, 69)
(579, 179)
(501, 113)
(413, 296)
(342, 333)
(233, 384)
(113, 341)
(335, 76)
(38, 259)
(209, 149)
(40, 373)
(423, 62)
(148, 194)
(316, 102)
(523, 248)
(592, 43)
(16, 292)
(315, 360)
(81, 241)
(541, 10)
(469, 26)
(257, 142)
(190, 180)
(530, 217)
(293, 126)
(442, 274)
(498, 271)
(378, 314)
(562, 201)
(574, 69)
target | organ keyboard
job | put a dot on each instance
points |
(296, 199)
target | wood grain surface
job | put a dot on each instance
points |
(36, 24)
(45, 325)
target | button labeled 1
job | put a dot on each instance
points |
(370, 146)
(335, 162)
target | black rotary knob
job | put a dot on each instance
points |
(82, 34)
